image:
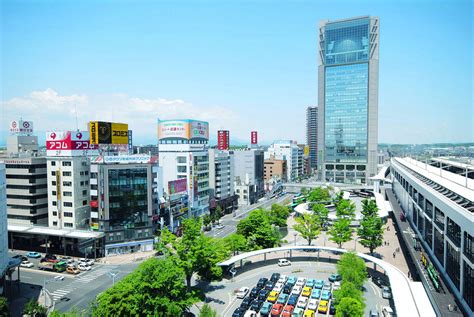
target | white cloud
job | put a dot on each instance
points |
(52, 111)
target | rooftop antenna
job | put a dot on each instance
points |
(75, 111)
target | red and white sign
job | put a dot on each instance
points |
(21, 127)
(223, 139)
(69, 143)
(253, 137)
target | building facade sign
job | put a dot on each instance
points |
(20, 127)
(69, 143)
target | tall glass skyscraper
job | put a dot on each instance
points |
(348, 99)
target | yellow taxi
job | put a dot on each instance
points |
(272, 297)
(306, 291)
(323, 306)
(309, 313)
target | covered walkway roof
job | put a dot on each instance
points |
(408, 299)
(66, 233)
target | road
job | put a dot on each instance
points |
(230, 221)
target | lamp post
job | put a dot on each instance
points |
(112, 275)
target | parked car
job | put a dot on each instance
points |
(242, 292)
(256, 304)
(269, 285)
(293, 299)
(309, 313)
(239, 312)
(373, 313)
(26, 264)
(387, 311)
(250, 313)
(310, 282)
(298, 312)
(84, 267)
(313, 304)
(291, 281)
(283, 262)
(327, 286)
(386, 292)
(296, 290)
(326, 295)
(282, 299)
(266, 308)
(332, 308)
(287, 311)
(306, 291)
(254, 293)
(72, 270)
(277, 309)
(263, 294)
(278, 287)
(301, 281)
(336, 286)
(274, 278)
(302, 302)
(316, 293)
(287, 289)
(245, 303)
(283, 279)
(319, 284)
(272, 297)
(35, 255)
(334, 277)
(21, 257)
(323, 306)
(261, 282)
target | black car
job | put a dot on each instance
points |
(261, 282)
(50, 256)
(263, 294)
(22, 257)
(332, 308)
(239, 312)
(256, 305)
(269, 285)
(293, 300)
(245, 303)
(287, 289)
(254, 292)
(275, 277)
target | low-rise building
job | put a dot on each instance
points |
(275, 169)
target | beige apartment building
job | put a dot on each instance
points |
(274, 168)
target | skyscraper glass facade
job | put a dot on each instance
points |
(346, 87)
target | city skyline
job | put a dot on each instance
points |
(58, 62)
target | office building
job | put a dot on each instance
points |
(221, 181)
(21, 139)
(348, 99)
(291, 153)
(437, 197)
(3, 225)
(249, 170)
(274, 169)
(27, 189)
(184, 155)
(146, 149)
(312, 135)
(124, 194)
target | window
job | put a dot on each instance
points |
(181, 159)
(429, 209)
(53, 183)
(67, 204)
(86, 173)
(82, 183)
(68, 225)
(53, 193)
(67, 163)
(53, 163)
(67, 184)
(68, 214)
(181, 169)
(439, 246)
(452, 264)
(429, 233)
(84, 192)
(67, 173)
(421, 201)
(87, 183)
(67, 194)
(84, 202)
(468, 285)
(53, 173)
(468, 246)
(439, 218)
(55, 213)
(54, 202)
(453, 232)
(55, 223)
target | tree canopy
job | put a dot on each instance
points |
(207, 311)
(319, 195)
(371, 232)
(322, 213)
(345, 209)
(278, 215)
(309, 226)
(340, 231)
(349, 307)
(352, 269)
(258, 230)
(235, 242)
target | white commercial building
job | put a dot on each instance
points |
(249, 171)
(291, 153)
(3, 224)
(221, 179)
(183, 153)
(437, 197)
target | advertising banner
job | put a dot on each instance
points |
(124, 159)
(199, 130)
(119, 133)
(108, 132)
(223, 139)
(306, 150)
(69, 143)
(173, 129)
(177, 186)
(253, 137)
(20, 127)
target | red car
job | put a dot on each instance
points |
(287, 311)
(276, 309)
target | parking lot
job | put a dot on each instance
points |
(223, 298)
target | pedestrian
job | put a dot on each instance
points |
(385, 243)
(388, 243)
(394, 255)
(409, 274)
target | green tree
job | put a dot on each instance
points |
(235, 242)
(258, 231)
(371, 232)
(4, 309)
(194, 252)
(322, 213)
(369, 208)
(337, 198)
(207, 311)
(319, 195)
(32, 308)
(278, 215)
(218, 212)
(352, 269)
(349, 307)
(206, 220)
(345, 209)
(348, 289)
(155, 288)
(309, 226)
(340, 231)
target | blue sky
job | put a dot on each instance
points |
(241, 65)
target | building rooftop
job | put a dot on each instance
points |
(68, 233)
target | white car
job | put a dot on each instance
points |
(84, 267)
(220, 227)
(302, 302)
(278, 287)
(250, 313)
(336, 285)
(296, 290)
(283, 279)
(241, 292)
(283, 262)
(26, 264)
(87, 261)
(313, 304)
(301, 282)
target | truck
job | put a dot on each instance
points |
(54, 267)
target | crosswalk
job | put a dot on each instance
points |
(82, 278)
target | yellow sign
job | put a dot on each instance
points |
(306, 150)
(119, 133)
(93, 130)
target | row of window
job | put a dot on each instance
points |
(66, 224)
(25, 166)
(65, 214)
(29, 177)
(28, 187)
(68, 203)
(40, 196)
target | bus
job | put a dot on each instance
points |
(55, 267)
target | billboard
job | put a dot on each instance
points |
(306, 151)
(125, 159)
(223, 140)
(177, 186)
(20, 127)
(108, 132)
(183, 129)
(253, 137)
(69, 143)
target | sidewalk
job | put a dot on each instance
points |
(127, 258)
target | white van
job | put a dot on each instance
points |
(283, 262)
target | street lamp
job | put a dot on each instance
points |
(295, 234)
(355, 243)
(58, 278)
(112, 275)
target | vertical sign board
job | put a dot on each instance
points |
(223, 139)
(253, 137)
(130, 142)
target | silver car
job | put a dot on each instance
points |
(386, 292)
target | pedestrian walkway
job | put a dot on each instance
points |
(127, 258)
